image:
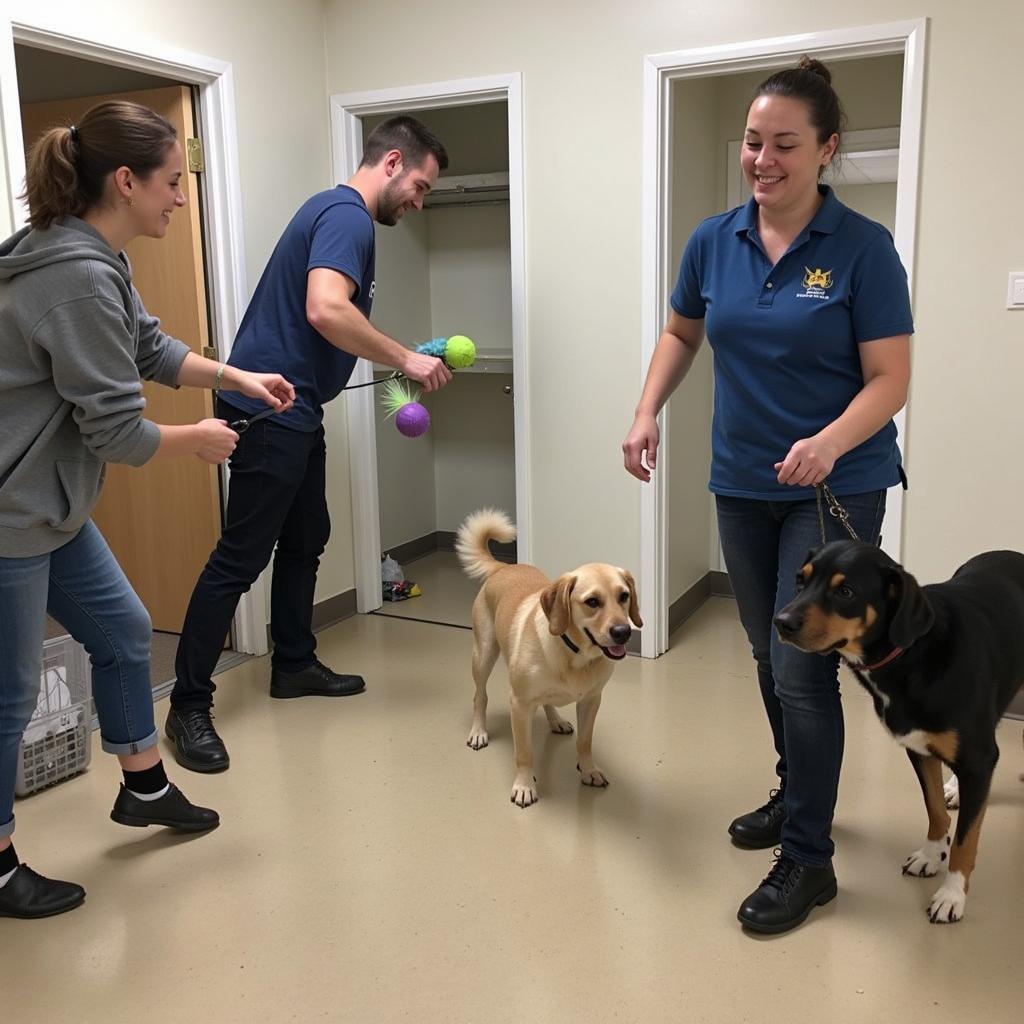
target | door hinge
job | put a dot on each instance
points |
(209, 352)
(194, 149)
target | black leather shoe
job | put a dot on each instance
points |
(196, 743)
(785, 898)
(761, 828)
(28, 895)
(172, 810)
(316, 681)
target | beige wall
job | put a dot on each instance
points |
(583, 93)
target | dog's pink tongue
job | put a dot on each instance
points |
(617, 651)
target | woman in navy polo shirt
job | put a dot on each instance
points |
(806, 308)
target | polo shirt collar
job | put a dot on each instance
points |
(824, 222)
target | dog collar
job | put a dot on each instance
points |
(572, 647)
(568, 643)
(891, 656)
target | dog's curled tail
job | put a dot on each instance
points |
(471, 541)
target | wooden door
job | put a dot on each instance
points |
(161, 520)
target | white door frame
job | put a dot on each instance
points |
(221, 190)
(660, 71)
(347, 109)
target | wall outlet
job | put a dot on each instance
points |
(1015, 290)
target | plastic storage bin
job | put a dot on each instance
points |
(56, 743)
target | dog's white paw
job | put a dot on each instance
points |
(524, 793)
(477, 739)
(562, 727)
(951, 791)
(594, 777)
(948, 903)
(929, 860)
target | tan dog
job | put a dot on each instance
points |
(560, 641)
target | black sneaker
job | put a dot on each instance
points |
(28, 895)
(196, 743)
(761, 828)
(172, 810)
(785, 898)
(316, 681)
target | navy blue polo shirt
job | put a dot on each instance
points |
(785, 341)
(333, 229)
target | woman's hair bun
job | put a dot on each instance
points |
(810, 64)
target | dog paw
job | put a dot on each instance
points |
(594, 777)
(948, 903)
(562, 727)
(951, 791)
(524, 793)
(929, 860)
(477, 739)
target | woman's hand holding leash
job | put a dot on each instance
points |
(216, 440)
(808, 463)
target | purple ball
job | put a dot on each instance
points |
(412, 419)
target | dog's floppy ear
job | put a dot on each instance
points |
(555, 602)
(634, 605)
(914, 615)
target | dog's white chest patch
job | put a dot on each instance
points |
(916, 740)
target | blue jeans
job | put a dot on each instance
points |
(765, 543)
(83, 588)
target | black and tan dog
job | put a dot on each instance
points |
(941, 662)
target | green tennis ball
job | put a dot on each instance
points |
(460, 352)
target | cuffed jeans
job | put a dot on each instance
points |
(765, 544)
(277, 496)
(83, 588)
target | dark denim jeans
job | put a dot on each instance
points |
(276, 496)
(765, 543)
(84, 589)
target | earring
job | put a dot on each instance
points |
(129, 200)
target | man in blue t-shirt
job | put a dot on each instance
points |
(309, 320)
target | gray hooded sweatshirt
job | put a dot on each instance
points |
(75, 343)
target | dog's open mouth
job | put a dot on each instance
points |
(616, 653)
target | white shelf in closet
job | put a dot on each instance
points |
(487, 361)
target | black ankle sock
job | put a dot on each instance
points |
(152, 780)
(8, 860)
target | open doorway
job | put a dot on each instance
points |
(441, 272)
(679, 570)
(707, 179)
(457, 268)
(163, 519)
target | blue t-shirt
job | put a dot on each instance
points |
(332, 229)
(785, 341)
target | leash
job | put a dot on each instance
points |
(834, 509)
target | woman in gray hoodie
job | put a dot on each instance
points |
(75, 345)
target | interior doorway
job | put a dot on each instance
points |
(685, 181)
(457, 268)
(443, 271)
(163, 519)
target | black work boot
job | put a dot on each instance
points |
(762, 828)
(785, 898)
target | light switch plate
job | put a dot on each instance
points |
(1015, 290)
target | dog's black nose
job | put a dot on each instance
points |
(788, 623)
(620, 634)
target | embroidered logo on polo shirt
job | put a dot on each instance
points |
(373, 288)
(817, 283)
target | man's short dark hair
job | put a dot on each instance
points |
(412, 138)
